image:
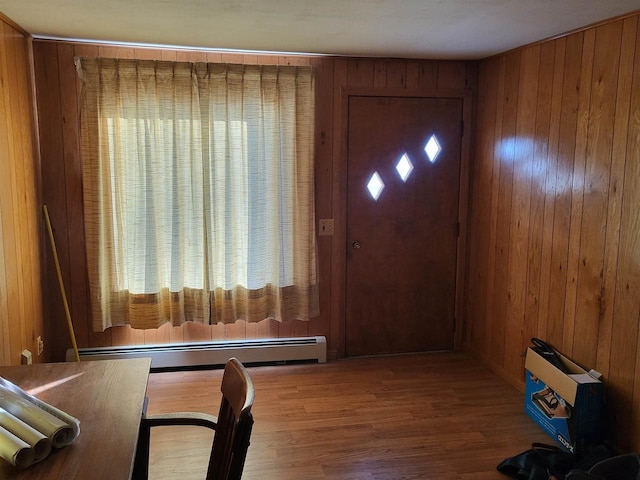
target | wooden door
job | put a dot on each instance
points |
(401, 247)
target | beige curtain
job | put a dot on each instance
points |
(198, 192)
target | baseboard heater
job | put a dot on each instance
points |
(200, 354)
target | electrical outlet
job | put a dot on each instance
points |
(326, 226)
(25, 357)
(40, 345)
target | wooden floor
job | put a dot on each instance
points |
(428, 416)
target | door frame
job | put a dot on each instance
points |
(339, 203)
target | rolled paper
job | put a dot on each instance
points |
(40, 444)
(63, 435)
(58, 432)
(15, 450)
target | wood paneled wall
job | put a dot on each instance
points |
(58, 96)
(21, 221)
(554, 229)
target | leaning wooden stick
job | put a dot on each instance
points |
(61, 283)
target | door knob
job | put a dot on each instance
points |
(356, 245)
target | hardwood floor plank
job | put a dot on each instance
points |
(419, 416)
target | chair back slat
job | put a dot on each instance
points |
(235, 422)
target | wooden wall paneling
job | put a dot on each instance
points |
(292, 60)
(76, 289)
(494, 334)
(16, 185)
(336, 341)
(7, 242)
(590, 286)
(267, 328)
(213, 57)
(562, 212)
(360, 73)
(148, 54)
(468, 111)
(31, 194)
(192, 332)
(521, 154)
(294, 328)
(623, 383)
(577, 193)
(191, 56)
(380, 73)
(471, 76)
(583, 233)
(541, 163)
(479, 212)
(506, 153)
(413, 75)
(452, 74)
(15, 61)
(551, 188)
(428, 75)
(323, 186)
(253, 329)
(23, 189)
(232, 58)
(54, 195)
(396, 74)
(21, 307)
(168, 55)
(161, 334)
(112, 51)
(5, 337)
(616, 188)
(125, 335)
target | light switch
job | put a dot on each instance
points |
(325, 226)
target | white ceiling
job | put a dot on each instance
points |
(452, 29)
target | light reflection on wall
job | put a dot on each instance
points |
(531, 162)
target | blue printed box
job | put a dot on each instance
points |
(567, 406)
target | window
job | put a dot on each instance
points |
(198, 188)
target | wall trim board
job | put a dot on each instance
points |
(14, 25)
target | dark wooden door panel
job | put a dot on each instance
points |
(401, 268)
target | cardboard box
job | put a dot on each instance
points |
(567, 406)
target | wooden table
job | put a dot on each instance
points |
(107, 397)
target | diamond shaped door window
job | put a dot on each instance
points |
(375, 186)
(432, 149)
(404, 167)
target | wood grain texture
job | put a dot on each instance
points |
(59, 127)
(570, 233)
(429, 416)
(21, 298)
(106, 396)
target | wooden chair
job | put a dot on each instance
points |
(232, 427)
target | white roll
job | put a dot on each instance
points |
(40, 444)
(14, 450)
